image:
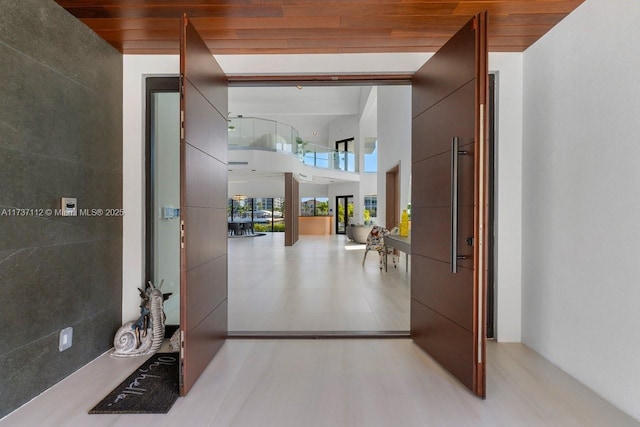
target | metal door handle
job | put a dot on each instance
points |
(455, 143)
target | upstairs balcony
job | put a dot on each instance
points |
(250, 135)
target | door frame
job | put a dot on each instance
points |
(153, 85)
(392, 197)
(346, 213)
(492, 254)
(346, 152)
(249, 80)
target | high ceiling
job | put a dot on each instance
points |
(310, 110)
(315, 26)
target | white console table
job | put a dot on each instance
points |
(400, 243)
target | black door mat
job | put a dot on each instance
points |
(151, 389)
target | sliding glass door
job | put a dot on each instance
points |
(344, 212)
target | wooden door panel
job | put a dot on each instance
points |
(205, 73)
(204, 341)
(203, 167)
(434, 234)
(207, 127)
(203, 205)
(449, 298)
(448, 343)
(433, 173)
(200, 279)
(206, 228)
(448, 71)
(447, 306)
(437, 125)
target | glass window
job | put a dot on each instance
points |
(322, 206)
(314, 206)
(265, 213)
(371, 205)
(371, 155)
(307, 206)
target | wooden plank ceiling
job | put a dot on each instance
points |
(314, 26)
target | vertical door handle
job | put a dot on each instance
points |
(455, 152)
(455, 143)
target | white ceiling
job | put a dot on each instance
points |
(313, 107)
(347, 63)
(314, 100)
(309, 110)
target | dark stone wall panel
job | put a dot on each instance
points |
(36, 182)
(39, 364)
(43, 30)
(60, 135)
(42, 286)
(68, 121)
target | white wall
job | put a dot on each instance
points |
(508, 70)
(581, 249)
(314, 190)
(394, 142)
(368, 129)
(343, 128)
(266, 187)
(135, 69)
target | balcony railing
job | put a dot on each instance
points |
(252, 133)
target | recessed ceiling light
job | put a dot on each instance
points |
(299, 87)
(315, 132)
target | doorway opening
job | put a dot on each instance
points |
(301, 296)
(393, 197)
(345, 155)
(158, 87)
(344, 213)
(158, 94)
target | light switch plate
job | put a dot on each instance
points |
(66, 339)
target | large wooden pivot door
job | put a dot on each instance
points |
(203, 206)
(449, 205)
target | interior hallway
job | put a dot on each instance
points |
(319, 284)
(341, 382)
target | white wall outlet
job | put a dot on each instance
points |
(66, 339)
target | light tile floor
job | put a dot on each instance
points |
(333, 383)
(319, 284)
